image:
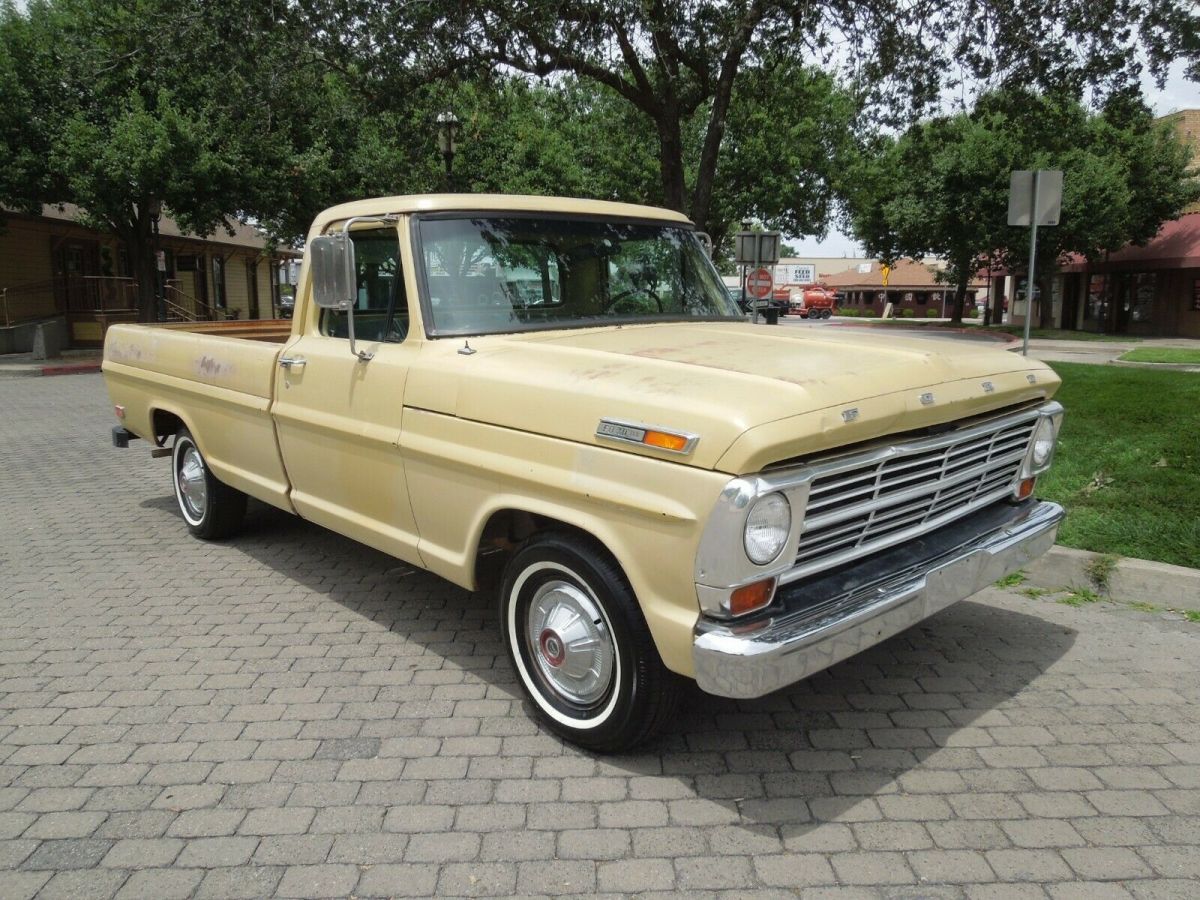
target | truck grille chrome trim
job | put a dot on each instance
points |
(866, 502)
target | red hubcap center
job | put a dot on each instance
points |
(552, 647)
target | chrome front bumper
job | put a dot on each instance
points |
(755, 659)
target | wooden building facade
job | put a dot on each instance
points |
(53, 267)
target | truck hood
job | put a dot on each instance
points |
(753, 394)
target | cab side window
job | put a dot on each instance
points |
(381, 311)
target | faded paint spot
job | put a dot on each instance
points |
(207, 367)
(598, 373)
(119, 351)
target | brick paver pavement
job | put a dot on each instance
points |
(289, 714)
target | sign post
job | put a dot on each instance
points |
(1034, 198)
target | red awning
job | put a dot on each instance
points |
(1176, 246)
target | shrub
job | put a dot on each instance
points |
(931, 313)
(852, 313)
(909, 313)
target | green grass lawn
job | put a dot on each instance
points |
(1163, 355)
(1128, 462)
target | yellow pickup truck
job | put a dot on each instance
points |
(558, 398)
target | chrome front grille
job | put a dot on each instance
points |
(865, 502)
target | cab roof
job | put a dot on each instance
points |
(416, 203)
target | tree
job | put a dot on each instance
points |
(680, 62)
(941, 188)
(789, 137)
(24, 141)
(142, 105)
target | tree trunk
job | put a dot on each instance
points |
(960, 295)
(670, 143)
(136, 233)
(996, 297)
(145, 269)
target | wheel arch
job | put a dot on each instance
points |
(506, 524)
(501, 531)
(165, 422)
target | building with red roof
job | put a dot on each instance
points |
(909, 286)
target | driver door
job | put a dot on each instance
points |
(338, 418)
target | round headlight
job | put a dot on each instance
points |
(1043, 444)
(767, 528)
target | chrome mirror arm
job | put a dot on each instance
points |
(362, 355)
(390, 219)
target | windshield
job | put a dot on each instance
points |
(487, 274)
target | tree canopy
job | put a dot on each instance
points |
(941, 188)
(678, 64)
(128, 107)
(724, 109)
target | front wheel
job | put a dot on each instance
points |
(580, 645)
(211, 508)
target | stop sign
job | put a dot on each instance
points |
(758, 283)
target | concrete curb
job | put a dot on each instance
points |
(975, 331)
(71, 369)
(39, 370)
(1176, 587)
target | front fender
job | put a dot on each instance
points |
(648, 513)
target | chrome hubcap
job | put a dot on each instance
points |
(571, 643)
(192, 487)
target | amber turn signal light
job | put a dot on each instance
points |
(666, 440)
(1025, 488)
(750, 597)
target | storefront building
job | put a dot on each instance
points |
(1151, 290)
(54, 268)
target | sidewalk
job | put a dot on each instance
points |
(1106, 352)
(71, 362)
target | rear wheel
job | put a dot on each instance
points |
(580, 645)
(211, 508)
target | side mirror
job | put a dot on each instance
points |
(333, 271)
(334, 280)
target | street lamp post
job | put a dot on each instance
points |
(448, 131)
(155, 211)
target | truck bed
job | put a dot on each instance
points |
(274, 331)
(215, 378)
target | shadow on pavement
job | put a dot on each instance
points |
(827, 749)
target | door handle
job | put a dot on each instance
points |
(292, 362)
